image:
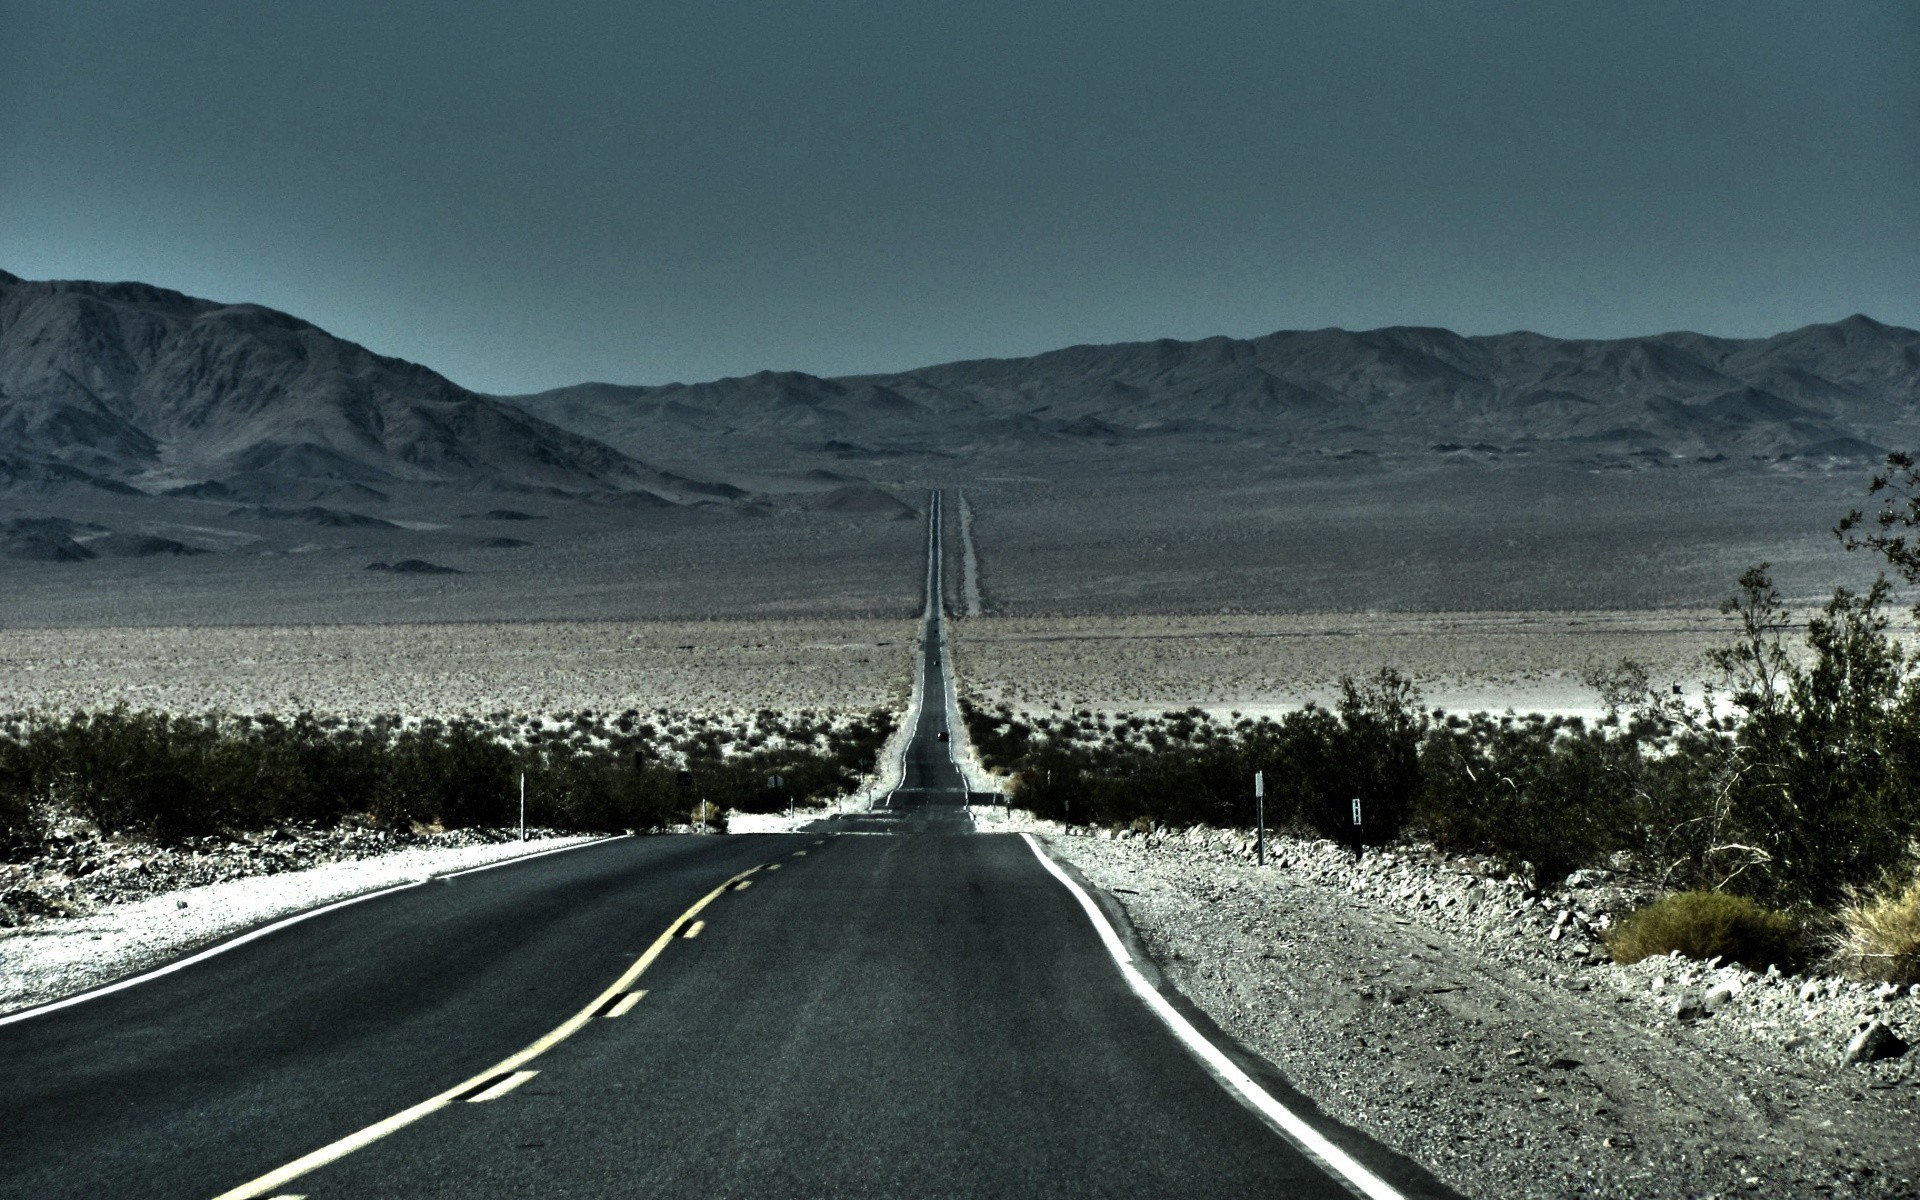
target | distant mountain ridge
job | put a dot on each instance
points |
(1848, 389)
(129, 385)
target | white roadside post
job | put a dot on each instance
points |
(523, 806)
(1260, 817)
(1356, 827)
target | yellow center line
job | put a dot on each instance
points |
(693, 930)
(626, 1004)
(799, 853)
(503, 1087)
(337, 1150)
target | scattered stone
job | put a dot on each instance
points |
(1872, 1044)
(1689, 1007)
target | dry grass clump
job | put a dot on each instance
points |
(1880, 935)
(1707, 925)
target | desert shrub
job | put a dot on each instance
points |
(1880, 935)
(454, 775)
(1544, 796)
(20, 825)
(171, 777)
(1822, 788)
(1378, 749)
(1183, 768)
(139, 772)
(1704, 925)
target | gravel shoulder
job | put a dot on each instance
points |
(55, 956)
(1460, 1019)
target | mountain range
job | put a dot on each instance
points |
(1848, 389)
(132, 386)
(167, 458)
(129, 386)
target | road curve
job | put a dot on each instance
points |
(891, 1005)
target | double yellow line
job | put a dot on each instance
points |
(615, 997)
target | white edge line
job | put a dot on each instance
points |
(520, 858)
(263, 931)
(1329, 1156)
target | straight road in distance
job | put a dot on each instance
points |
(918, 1010)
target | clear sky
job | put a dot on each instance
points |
(527, 195)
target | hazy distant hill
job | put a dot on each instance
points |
(1845, 390)
(125, 384)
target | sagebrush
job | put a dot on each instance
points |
(1707, 925)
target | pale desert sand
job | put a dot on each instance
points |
(1263, 665)
(832, 666)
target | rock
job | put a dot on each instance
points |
(1590, 877)
(1687, 1008)
(1719, 996)
(1872, 1044)
(1809, 991)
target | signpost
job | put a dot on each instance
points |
(1260, 817)
(775, 783)
(523, 806)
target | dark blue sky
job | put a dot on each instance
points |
(526, 195)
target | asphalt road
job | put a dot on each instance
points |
(911, 1009)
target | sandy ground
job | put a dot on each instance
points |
(422, 670)
(1525, 661)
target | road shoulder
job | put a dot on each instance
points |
(57, 958)
(1511, 1078)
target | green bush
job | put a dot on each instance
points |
(1704, 925)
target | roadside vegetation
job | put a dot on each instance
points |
(169, 777)
(1781, 812)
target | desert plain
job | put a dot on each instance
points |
(445, 670)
